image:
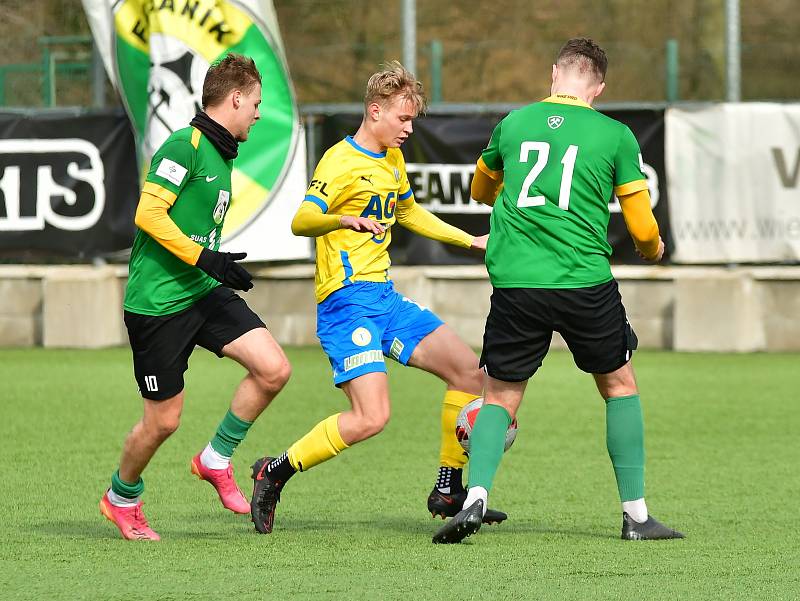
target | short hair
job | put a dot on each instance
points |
(584, 55)
(233, 72)
(395, 80)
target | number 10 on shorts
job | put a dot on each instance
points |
(151, 383)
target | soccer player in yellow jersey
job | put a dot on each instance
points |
(358, 192)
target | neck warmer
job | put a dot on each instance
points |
(220, 137)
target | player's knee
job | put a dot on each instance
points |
(272, 378)
(164, 426)
(373, 423)
(469, 378)
(618, 387)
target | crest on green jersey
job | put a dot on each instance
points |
(555, 121)
(222, 206)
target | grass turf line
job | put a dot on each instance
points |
(723, 456)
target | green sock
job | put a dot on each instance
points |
(230, 433)
(126, 489)
(625, 442)
(487, 444)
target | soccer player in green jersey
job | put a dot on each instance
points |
(180, 294)
(548, 260)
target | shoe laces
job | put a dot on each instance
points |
(269, 490)
(139, 521)
(227, 482)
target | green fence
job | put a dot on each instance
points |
(69, 72)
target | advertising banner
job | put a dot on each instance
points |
(66, 184)
(735, 182)
(157, 54)
(440, 159)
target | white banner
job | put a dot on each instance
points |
(733, 172)
(157, 55)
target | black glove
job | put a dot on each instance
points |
(224, 268)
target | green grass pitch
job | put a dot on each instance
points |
(723, 445)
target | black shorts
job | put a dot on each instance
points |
(521, 323)
(162, 344)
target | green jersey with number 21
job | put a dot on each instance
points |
(561, 160)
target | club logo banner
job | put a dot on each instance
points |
(161, 50)
(735, 182)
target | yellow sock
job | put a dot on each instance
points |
(322, 443)
(451, 454)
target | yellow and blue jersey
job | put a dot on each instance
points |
(351, 180)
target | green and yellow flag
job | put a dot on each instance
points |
(157, 53)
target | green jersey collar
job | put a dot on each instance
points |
(567, 99)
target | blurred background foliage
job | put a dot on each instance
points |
(498, 51)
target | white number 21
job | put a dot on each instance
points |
(543, 152)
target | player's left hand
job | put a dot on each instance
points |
(479, 243)
(223, 267)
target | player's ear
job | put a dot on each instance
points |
(601, 86)
(374, 111)
(554, 73)
(237, 99)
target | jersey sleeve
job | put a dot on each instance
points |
(628, 175)
(170, 170)
(491, 154)
(406, 194)
(327, 184)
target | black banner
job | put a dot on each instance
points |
(68, 184)
(440, 158)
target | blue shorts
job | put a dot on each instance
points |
(358, 324)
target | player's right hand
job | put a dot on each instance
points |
(224, 268)
(659, 254)
(479, 243)
(361, 224)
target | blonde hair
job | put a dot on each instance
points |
(395, 80)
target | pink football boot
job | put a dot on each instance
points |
(229, 493)
(130, 520)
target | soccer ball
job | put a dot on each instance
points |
(466, 421)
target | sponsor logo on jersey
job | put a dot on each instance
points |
(396, 349)
(317, 185)
(555, 121)
(211, 179)
(360, 359)
(171, 171)
(361, 337)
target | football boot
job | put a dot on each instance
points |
(266, 495)
(130, 520)
(222, 480)
(447, 505)
(465, 523)
(652, 529)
